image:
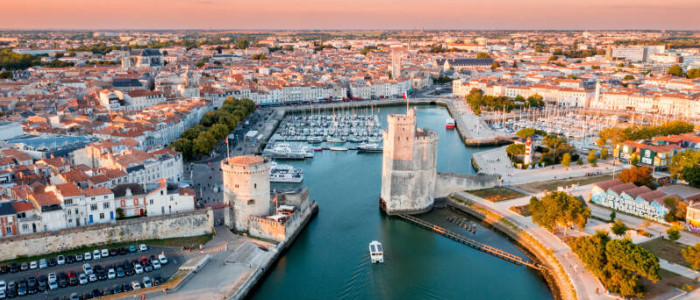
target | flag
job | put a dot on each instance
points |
(405, 94)
(274, 199)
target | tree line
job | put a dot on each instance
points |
(215, 125)
(478, 100)
(616, 135)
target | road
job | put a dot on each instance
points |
(175, 260)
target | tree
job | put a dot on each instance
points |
(604, 153)
(6, 75)
(482, 55)
(693, 73)
(638, 176)
(219, 131)
(677, 209)
(592, 158)
(619, 228)
(566, 160)
(559, 209)
(120, 213)
(634, 160)
(242, 44)
(495, 66)
(686, 166)
(628, 77)
(675, 70)
(515, 64)
(553, 58)
(515, 149)
(579, 161)
(612, 216)
(526, 133)
(692, 256)
(184, 146)
(673, 233)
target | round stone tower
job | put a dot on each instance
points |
(246, 189)
(409, 168)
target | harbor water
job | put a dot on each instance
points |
(330, 258)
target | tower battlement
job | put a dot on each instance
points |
(246, 188)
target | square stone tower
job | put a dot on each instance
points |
(408, 166)
(246, 189)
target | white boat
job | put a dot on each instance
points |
(450, 123)
(338, 148)
(285, 173)
(376, 252)
(365, 147)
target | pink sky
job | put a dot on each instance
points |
(347, 14)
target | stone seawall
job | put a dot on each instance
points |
(555, 275)
(448, 183)
(193, 223)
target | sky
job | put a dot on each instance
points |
(351, 14)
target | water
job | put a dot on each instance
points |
(330, 258)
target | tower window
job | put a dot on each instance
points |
(251, 202)
(255, 185)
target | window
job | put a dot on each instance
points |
(68, 212)
(106, 197)
(93, 198)
(255, 185)
(251, 202)
(8, 230)
(68, 201)
(105, 205)
(25, 226)
(102, 216)
(236, 186)
(93, 207)
(151, 201)
(76, 211)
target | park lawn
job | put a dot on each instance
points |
(523, 210)
(669, 281)
(551, 185)
(192, 241)
(496, 194)
(667, 250)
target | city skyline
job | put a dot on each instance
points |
(343, 15)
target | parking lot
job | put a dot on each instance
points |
(103, 283)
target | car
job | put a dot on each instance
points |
(105, 253)
(52, 262)
(102, 275)
(96, 254)
(43, 264)
(87, 268)
(113, 252)
(96, 293)
(11, 289)
(148, 267)
(62, 280)
(74, 296)
(22, 288)
(120, 272)
(135, 285)
(156, 264)
(127, 287)
(32, 285)
(11, 293)
(138, 268)
(107, 292)
(129, 272)
(111, 274)
(143, 248)
(163, 260)
(72, 278)
(3, 285)
(2, 295)
(33, 265)
(82, 279)
(147, 282)
(132, 249)
(92, 277)
(43, 282)
(61, 260)
(4, 269)
(117, 289)
(87, 256)
(157, 280)
(79, 257)
(14, 268)
(123, 251)
(87, 296)
(98, 269)
(53, 285)
(70, 259)
(24, 266)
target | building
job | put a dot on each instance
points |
(409, 166)
(138, 58)
(8, 219)
(100, 205)
(164, 198)
(130, 199)
(629, 198)
(246, 190)
(460, 63)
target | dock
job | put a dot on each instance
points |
(509, 257)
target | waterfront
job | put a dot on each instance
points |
(330, 259)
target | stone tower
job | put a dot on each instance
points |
(246, 189)
(409, 166)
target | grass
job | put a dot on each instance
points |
(667, 250)
(497, 194)
(669, 281)
(523, 210)
(173, 242)
(551, 185)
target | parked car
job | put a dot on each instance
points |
(123, 251)
(92, 277)
(62, 280)
(138, 268)
(156, 264)
(74, 296)
(24, 266)
(87, 256)
(87, 268)
(132, 249)
(4, 269)
(157, 280)
(31, 285)
(72, 278)
(43, 283)
(143, 247)
(105, 253)
(43, 264)
(135, 285)
(53, 285)
(120, 272)
(96, 254)
(111, 274)
(163, 260)
(61, 260)
(3, 285)
(79, 257)
(113, 252)
(14, 268)
(148, 267)
(102, 275)
(52, 262)
(127, 287)
(22, 288)
(33, 265)
(82, 279)
(147, 282)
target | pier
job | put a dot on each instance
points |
(509, 257)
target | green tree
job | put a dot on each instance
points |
(535, 101)
(604, 153)
(495, 66)
(559, 209)
(634, 160)
(482, 55)
(686, 166)
(120, 213)
(219, 131)
(673, 233)
(515, 149)
(694, 73)
(612, 216)
(203, 144)
(592, 158)
(526, 133)
(677, 209)
(184, 146)
(675, 70)
(553, 58)
(566, 160)
(6, 75)
(692, 256)
(242, 44)
(628, 77)
(638, 176)
(579, 161)
(619, 228)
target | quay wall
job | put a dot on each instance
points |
(255, 279)
(448, 183)
(192, 223)
(558, 280)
